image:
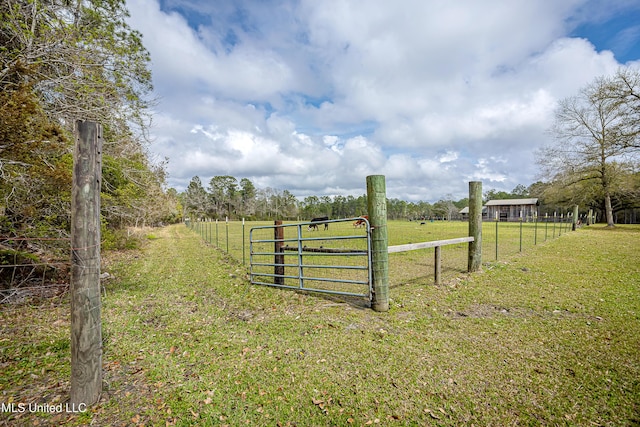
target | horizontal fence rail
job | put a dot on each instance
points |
(297, 257)
(425, 245)
(500, 240)
(437, 244)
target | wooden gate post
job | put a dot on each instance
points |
(86, 324)
(278, 269)
(475, 226)
(574, 226)
(377, 207)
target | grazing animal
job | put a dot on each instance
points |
(315, 221)
(361, 222)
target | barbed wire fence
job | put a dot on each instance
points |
(33, 268)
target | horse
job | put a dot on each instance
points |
(315, 221)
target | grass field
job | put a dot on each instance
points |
(546, 337)
(407, 267)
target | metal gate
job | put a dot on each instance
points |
(332, 256)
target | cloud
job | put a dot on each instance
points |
(314, 96)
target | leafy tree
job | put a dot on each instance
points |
(63, 61)
(247, 197)
(592, 141)
(310, 207)
(82, 57)
(35, 166)
(195, 198)
(445, 209)
(497, 195)
(520, 191)
(289, 204)
(224, 192)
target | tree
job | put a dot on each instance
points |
(223, 190)
(247, 197)
(497, 195)
(59, 62)
(592, 141)
(624, 88)
(520, 191)
(83, 58)
(445, 209)
(195, 198)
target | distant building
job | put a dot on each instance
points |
(464, 213)
(512, 209)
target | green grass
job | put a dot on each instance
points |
(546, 337)
(407, 267)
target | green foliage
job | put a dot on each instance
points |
(35, 166)
(118, 239)
(63, 61)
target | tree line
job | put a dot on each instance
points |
(227, 197)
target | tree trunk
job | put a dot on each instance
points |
(608, 209)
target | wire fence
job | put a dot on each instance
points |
(33, 267)
(500, 241)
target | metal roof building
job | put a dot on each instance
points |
(512, 209)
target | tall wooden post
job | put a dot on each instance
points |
(377, 207)
(475, 226)
(574, 225)
(86, 325)
(278, 270)
(437, 266)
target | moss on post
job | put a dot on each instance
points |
(377, 207)
(475, 226)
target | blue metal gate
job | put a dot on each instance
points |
(332, 256)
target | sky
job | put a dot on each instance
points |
(313, 96)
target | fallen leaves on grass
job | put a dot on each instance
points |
(322, 405)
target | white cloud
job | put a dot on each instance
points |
(314, 96)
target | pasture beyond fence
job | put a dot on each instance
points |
(297, 256)
(378, 248)
(500, 241)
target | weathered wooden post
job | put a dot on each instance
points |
(574, 225)
(437, 264)
(278, 236)
(497, 221)
(475, 226)
(86, 324)
(377, 207)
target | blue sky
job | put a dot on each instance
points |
(312, 96)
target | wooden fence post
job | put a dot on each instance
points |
(86, 324)
(377, 207)
(475, 226)
(437, 268)
(278, 270)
